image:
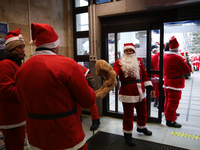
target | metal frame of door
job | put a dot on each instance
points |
(132, 27)
(145, 20)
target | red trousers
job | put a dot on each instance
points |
(156, 89)
(93, 110)
(14, 138)
(172, 98)
(155, 83)
(141, 109)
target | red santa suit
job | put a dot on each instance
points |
(12, 112)
(50, 86)
(174, 68)
(133, 95)
(93, 110)
(152, 68)
(155, 62)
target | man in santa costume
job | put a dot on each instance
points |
(132, 94)
(93, 110)
(12, 112)
(174, 68)
(50, 86)
(155, 54)
(155, 62)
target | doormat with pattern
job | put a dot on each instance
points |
(108, 141)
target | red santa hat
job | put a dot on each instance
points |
(14, 39)
(173, 43)
(128, 46)
(43, 35)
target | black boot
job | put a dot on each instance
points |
(145, 131)
(173, 124)
(129, 140)
(95, 124)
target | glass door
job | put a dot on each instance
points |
(115, 50)
(143, 40)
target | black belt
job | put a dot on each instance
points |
(52, 116)
(131, 82)
(176, 77)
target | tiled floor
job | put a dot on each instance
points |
(189, 110)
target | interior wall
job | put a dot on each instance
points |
(58, 14)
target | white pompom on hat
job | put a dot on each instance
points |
(43, 35)
(173, 43)
(128, 46)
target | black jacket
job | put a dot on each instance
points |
(5, 54)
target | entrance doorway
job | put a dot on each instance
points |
(141, 36)
(187, 34)
(145, 30)
(141, 39)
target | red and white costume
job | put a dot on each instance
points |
(174, 68)
(50, 86)
(12, 112)
(155, 62)
(93, 110)
(133, 95)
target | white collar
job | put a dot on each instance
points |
(43, 52)
(170, 52)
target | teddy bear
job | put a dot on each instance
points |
(109, 81)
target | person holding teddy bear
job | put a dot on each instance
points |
(93, 110)
(134, 80)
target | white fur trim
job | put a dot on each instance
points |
(146, 83)
(50, 45)
(176, 49)
(127, 131)
(32, 42)
(131, 99)
(141, 127)
(19, 37)
(13, 125)
(127, 47)
(172, 88)
(43, 52)
(139, 86)
(78, 146)
(87, 72)
(170, 52)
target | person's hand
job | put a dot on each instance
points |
(152, 94)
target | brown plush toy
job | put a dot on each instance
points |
(109, 82)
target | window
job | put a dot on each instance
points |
(102, 1)
(82, 23)
(81, 3)
(82, 46)
(81, 31)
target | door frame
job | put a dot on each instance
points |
(125, 28)
(144, 20)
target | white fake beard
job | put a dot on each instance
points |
(130, 65)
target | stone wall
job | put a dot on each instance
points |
(57, 13)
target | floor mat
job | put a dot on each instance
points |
(107, 141)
